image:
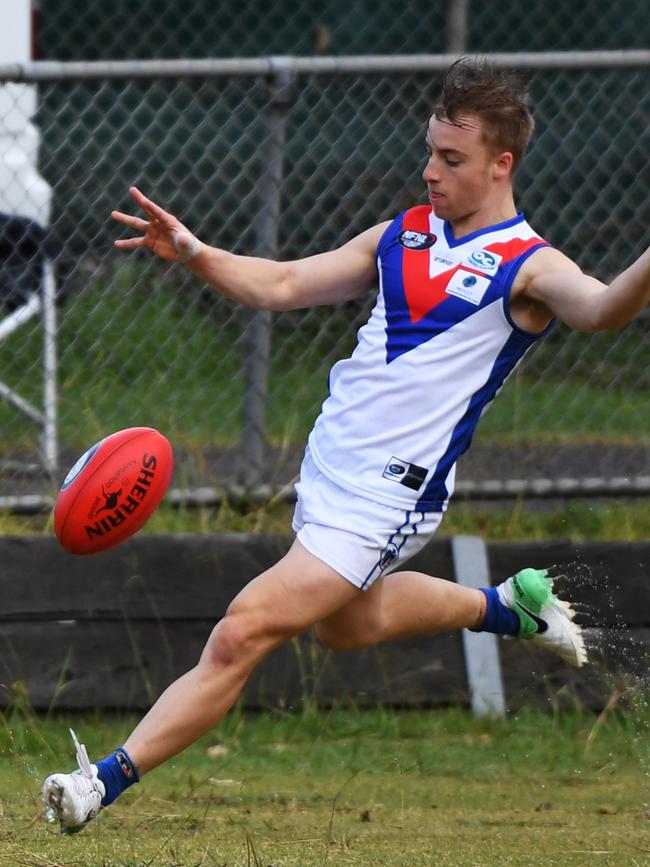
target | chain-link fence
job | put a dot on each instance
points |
(71, 30)
(288, 158)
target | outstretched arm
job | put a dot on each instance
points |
(583, 302)
(327, 278)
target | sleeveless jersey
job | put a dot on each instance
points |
(438, 345)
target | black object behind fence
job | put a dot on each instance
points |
(112, 631)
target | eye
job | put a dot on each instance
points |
(451, 162)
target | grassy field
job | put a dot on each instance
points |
(346, 787)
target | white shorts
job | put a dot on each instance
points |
(359, 538)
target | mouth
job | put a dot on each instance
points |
(435, 197)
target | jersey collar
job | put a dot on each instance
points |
(456, 242)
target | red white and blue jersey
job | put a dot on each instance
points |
(438, 345)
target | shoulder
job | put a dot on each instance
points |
(545, 260)
(368, 242)
(526, 307)
(371, 237)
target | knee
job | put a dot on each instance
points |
(237, 641)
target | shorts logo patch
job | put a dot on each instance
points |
(416, 240)
(405, 473)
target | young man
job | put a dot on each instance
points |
(465, 288)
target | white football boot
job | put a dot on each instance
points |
(74, 799)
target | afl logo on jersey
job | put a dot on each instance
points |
(416, 240)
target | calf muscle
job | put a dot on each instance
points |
(281, 602)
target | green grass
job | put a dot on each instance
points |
(578, 521)
(350, 787)
(550, 411)
(139, 346)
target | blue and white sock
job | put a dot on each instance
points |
(499, 618)
(117, 772)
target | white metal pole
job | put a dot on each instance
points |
(50, 445)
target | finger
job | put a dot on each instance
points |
(130, 243)
(129, 220)
(150, 207)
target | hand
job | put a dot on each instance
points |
(163, 234)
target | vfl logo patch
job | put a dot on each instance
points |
(407, 474)
(416, 240)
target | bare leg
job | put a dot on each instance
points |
(292, 595)
(399, 605)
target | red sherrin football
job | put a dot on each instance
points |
(113, 490)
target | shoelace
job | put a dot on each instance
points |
(79, 782)
(84, 776)
(82, 757)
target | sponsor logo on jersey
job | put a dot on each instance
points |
(416, 240)
(469, 287)
(405, 473)
(483, 260)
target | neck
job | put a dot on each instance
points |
(488, 215)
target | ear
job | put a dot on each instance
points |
(502, 165)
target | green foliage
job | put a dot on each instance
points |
(578, 521)
(132, 353)
(136, 348)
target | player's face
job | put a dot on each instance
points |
(461, 171)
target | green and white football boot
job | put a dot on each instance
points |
(544, 618)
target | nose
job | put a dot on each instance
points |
(430, 174)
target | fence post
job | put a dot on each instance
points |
(50, 443)
(257, 338)
(457, 26)
(482, 662)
